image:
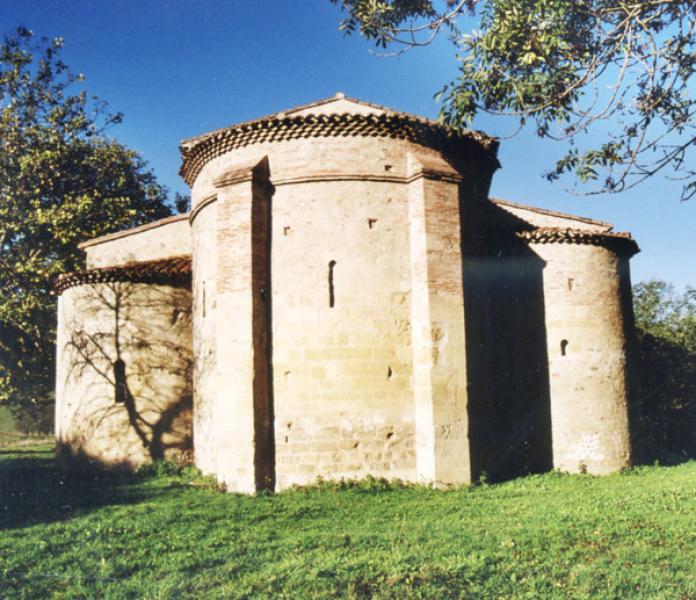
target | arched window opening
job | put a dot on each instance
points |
(564, 347)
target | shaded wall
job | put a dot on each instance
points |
(123, 394)
(509, 397)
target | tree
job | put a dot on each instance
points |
(565, 67)
(62, 181)
(666, 328)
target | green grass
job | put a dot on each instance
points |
(11, 434)
(8, 428)
(168, 534)
(6, 421)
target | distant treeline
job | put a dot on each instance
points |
(665, 414)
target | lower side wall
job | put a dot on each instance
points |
(345, 445)
(589, 332)
(123, 393)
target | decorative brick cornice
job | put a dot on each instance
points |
(196, 152)
(174, 271)
(619, 242)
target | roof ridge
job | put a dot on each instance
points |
(286, 112)
(190, 142)
(552, 213)
(337, 96)
(132, 230)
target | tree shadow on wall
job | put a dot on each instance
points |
(665, 412)
(507, 361)
(128, 374)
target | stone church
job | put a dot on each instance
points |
(345, 299)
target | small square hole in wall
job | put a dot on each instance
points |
(371, 223)
(571, 283)
(286, 230)
(387, 168)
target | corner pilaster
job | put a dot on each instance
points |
(244, 403)
(437, 321)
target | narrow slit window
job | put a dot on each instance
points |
(564, 347)
(120, 389)
(332, 292)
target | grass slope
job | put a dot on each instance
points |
(165, 534)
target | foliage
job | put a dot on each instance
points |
(62, 181)
(627, 535)
(666, 326)
(566, 67)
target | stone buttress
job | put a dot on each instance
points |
(344, 300)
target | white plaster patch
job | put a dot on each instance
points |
(588, 448)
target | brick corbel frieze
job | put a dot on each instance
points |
(621, 243)
(196, 152)
(174, 271)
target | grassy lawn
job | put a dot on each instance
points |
(168, 534)
(7, 427)
(10, 434)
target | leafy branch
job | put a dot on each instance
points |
(618, 67)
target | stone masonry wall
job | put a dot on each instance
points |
(342, 341)
(160, 239)
(123, 394)
(587, 297)
(358, 307)
(205, 386)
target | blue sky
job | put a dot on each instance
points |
(178, 68)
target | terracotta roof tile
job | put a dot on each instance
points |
(620, 242)
(196, 152)
(175, 270)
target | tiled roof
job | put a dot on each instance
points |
(133, 230)
(175, 270)
(338, 97)
(196, 152)
(551, 213)
(620, 242)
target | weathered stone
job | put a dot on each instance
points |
(360, 307)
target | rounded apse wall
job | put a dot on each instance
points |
(123, 394)
(341, 273)
(588, 329)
